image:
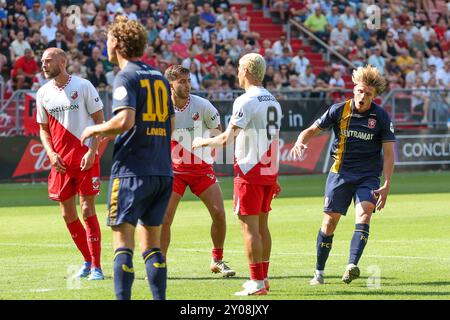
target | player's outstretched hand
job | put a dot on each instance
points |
(87, 133)
(382, 193)
(197, 143)
(298, 150)
(87, 161)
(57, 162)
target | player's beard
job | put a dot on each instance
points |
(51, 74)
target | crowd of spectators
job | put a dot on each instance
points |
(410, 46)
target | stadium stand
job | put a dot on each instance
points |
(412, 41)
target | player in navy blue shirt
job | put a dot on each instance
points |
(363, 148)
(141, 174)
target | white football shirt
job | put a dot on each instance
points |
(68, 112)
(259, 114)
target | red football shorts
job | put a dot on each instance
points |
(62, 186)
(252, 199)
(197, 182)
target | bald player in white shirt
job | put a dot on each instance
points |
(194, 115)
(65, 106)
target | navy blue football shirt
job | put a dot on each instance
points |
(144, 149)
(357, 146)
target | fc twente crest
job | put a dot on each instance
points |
(372, 123)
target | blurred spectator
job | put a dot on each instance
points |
(389, 47)
(84, 27)
(336, 81)
(393, 69)
(229, 76)
(441, 29)
(279, 45)
(93, 60)
(401, 41)
(215, 45)
(409, 30)
(208, 15)
(36, 44)
(285, 58)
(58, 42)
(298, 10)
(229, 32)
(39, 80)
(317, 23)
(152, 30)
(20, 26)
(333, 17)
(144, 13)
(49, 11)
(202, 30)
(377, 60)
(179, 49)
(427, 30)
(405, 61)
(206, 59)
(167, 34)
(20, 44)
(161, 14)
(284, 73)
(430, 73)
(112, 8)
(89, 9)
(271, 61)
(299, 62)
(348, 18)
(97, 78)
(196, 77)
(150, 57)
(111, 75)
(417, 44)
(268, 76)
(86, 45)
(410, 78)
(234, 50)
(266, 44)
(435, 58)
(281, 7)
(245, 33)
(443, 75)
(223, 60)
(338, 37)
(307, 80)
(48, 31)
(326, 73)
(419, 99)
(194, 18)
(320, 89)
(433, 42)
(24, 71)
(186, 33)
(221, 5)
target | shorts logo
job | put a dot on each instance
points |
(195, 116)
(372, 123)
(97, 99)
(327, 202)
(74, 95)
(211, 176)
(96, 183)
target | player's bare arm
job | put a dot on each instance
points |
(224, 138)
(55, 159)
(88, 159)
(121, 122)
(388, 170)
(302, 141)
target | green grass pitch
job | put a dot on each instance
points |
(407, 256)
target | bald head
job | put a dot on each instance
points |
(53, 62)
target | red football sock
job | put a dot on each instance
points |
(256, 271)
(78, 234)
(265, 265)
(94, 240)
(217, 254)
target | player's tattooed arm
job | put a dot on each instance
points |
(55, 159)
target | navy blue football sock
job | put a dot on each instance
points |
(123, 273)
(324, 244)
(156, 272)
(358, 242)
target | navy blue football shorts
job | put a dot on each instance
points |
(341, 188)
(138, 199)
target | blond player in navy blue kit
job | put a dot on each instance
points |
(363, 148)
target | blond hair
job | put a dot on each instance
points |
(369, 76)
(255, 64)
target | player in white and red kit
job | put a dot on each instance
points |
(255, 123)
(193, 116)
(65, 106)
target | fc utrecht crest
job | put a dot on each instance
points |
(74, 95)
(372, 123)
(96, 183)
(195, 116)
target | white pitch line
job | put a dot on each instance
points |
(239, 252)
